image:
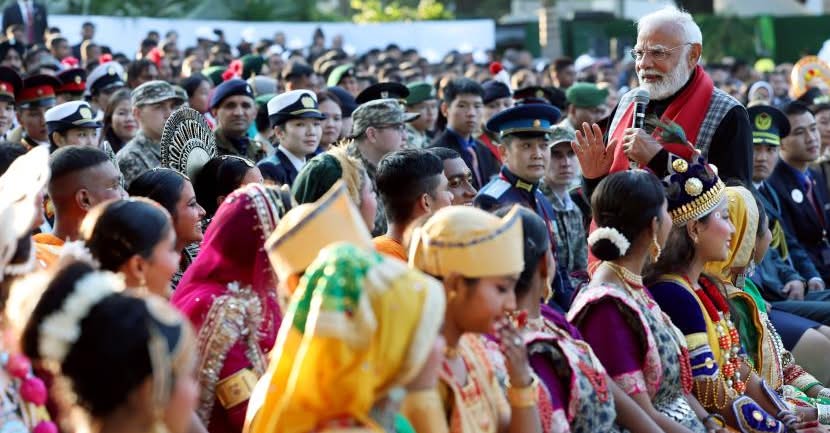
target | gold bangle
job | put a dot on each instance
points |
(526, 396)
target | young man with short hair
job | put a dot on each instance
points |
(459, 177)
(411, 184)
(804, 206)
(463, 107)
(82, 177)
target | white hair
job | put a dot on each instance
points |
(672, 15)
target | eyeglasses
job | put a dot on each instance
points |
(400, 127)
(655, 53)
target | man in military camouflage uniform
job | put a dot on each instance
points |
(233, 107)
(378, 128)
(153, 102)
(421, 100)
(571, 238)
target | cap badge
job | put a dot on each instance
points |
(39, 92)
(384, 95)
(540, 93)
(111, 70)
(763, 121)
(537, 123)
(248, 89)
(680, 165)
(86, 113)
(307, 101)
(693, 187)
(78, 79)
(3, 88)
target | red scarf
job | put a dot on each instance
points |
(688, 110)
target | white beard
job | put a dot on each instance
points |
(669, 83)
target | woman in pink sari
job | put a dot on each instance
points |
(229, 294)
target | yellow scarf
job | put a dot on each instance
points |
(743, 213)
(358, 325)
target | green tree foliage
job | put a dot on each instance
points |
(373, 11)
(145, 8)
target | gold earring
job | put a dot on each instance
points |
(656, 250)
(451, 295)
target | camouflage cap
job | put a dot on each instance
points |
(561, 134)
(379, 112)
(153, 92)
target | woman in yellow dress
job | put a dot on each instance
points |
(763, 344)
(479, 258)
(359, 330)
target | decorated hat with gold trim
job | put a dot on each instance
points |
(10, 83)
(37, 91)
(308, 228)
(69, 115)
(187, 143)
(295, 104)
(527, 118)
(72, 81)
(692, 190)
(470, 242)
(769, 125)
(809, 72)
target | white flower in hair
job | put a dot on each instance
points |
(610, 234)
(60, 330)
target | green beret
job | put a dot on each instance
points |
(262, 100)
(586, 95)
(214, 73)
(420, 92)
(316, 178)
(339, 73)
(251, 65)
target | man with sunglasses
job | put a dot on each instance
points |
(669, 46)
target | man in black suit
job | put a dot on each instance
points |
(463, 107)
(803, 199)
(786, 273)
(31, 15)
(87, 33)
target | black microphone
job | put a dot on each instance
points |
(641, 98)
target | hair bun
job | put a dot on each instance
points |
(607, 243)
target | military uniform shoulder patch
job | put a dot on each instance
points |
(496, 188)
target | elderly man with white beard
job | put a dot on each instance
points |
(669, 46)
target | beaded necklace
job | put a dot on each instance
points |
(728, 339)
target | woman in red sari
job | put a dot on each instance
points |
(229, 293)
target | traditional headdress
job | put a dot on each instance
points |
(692, 190)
